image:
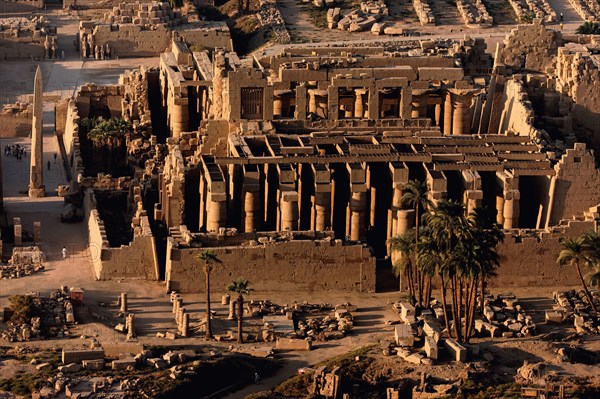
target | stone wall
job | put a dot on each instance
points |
(295, 265)
(517, 115)
(531, 47)
(130, 40)
(136, 260)
(530, 259)
(579, 78)
(15, 120)
(27, 37)
(577, 184)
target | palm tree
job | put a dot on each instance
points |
(415, 196)
(591, 240)
(210, 259)
(448, 230)
(574, 254)
(403, 244)
(242, 288)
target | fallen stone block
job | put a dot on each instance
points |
(403, 335)
(76, 356)
(291, 344)
(93, 364)
(431, 348)
(123, 364)
(456, 350)
(70, 368)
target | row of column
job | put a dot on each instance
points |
(213, 199)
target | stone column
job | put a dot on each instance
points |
(458, 119)
(289, 210)
(18, 232)
(511, 209)
(179, 116)
(438, 113)
(251, 193)
(358, 207)
(217, 215)
(300, 110)
(277, 105)
(123, 302)
(322, 197)
(36, 177)
(359, 108)
(252, 211)
(322, 208)
(500, 209)
(448, 112)
(312, 102)
(405, 102)
(419, 106)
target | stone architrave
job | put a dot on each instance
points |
(36, 178)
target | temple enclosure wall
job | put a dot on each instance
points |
(130, 40)
(302, 265)
(136, 260)
(15, 120)
(531, 260)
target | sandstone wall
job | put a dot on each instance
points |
(131, 40)
(283, 266)
(531, 47)
(16, 48)
(531, 260)
(15, 120)
(136, 260)
(579, 78)
(577, 184)
(517, 115)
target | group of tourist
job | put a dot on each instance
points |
(17, 150)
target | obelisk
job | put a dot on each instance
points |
(36, 177)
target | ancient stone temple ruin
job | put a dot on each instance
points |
(28, 38)
(144, 30)
(291, 164)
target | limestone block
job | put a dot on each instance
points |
(431, 348)
(403, 335)
(456, 351)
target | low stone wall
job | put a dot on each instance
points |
(15, 120)
(295, 265)
(136, 260)
(530, 259)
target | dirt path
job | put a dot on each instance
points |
(501, 11)
(446, 13)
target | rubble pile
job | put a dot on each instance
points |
(269, 16)
(423, 10)
(311, 322)
(358, 20)
(327, 327)
(588, 10)
(322, 3)
(505, 317)
(44, 318)
(474, 13)
(536, 8)
(430, 387)
(574, 305)
(24, 262)
(417, 338)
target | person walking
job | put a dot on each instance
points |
(55, 155)
(256, 378)
(48, 165)
(64, 253)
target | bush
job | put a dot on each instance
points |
(589, 28)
